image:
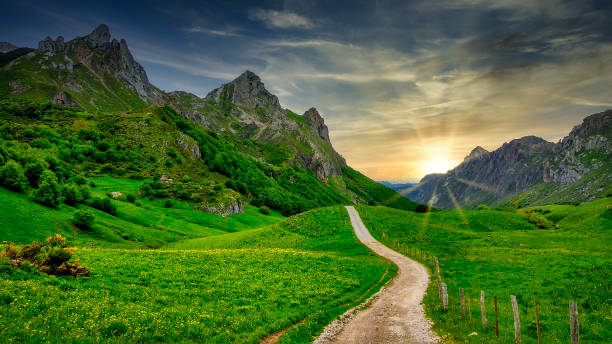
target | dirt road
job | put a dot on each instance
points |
(395, 314)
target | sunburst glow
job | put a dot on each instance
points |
(438, 165)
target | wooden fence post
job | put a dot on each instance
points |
(470, 307)
(517, 322)
(573, 309)
(462, 302)
(452, 302)
(444, 296)
(482, 309)
(439, 278)
(537, 313)
(496, 317)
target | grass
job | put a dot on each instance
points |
(219, 288)
(501, 253)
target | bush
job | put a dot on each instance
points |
(168, 203)
(264, 210)
(483, 207)
(12, 176)
(33, 171)
(422, 208)
(85, 191)
(51, 257)
(131, 198)
(49, 191)
(83, 219)
(72, 194)
(104, 204)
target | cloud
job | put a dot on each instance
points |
(224, 33)
(281, 19)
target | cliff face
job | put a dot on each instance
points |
(522, 164)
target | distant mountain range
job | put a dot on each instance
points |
(397, 186)
(528, 171)
(98, 74)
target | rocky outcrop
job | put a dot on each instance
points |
(316, 122)
(235, 207)
(6, 47)
(487, 177)
(61, 98)
(51, 47)
(190, 145)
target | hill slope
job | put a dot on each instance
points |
(238, 136)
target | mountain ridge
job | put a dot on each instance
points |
(527, 170)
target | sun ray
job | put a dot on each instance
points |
(457, 207)
(477, 185)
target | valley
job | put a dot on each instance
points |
(133, 214)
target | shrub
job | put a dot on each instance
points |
(12, 177)
(483, 207)
(83, 219)
(72, 194)
(422, 208)
(131, 197)
(168, 203)
(33, 171)
(264, 210)
(51, 257)
(138, 203)
(49, 191)
(85, 191)
(104, 204)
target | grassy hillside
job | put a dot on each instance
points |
(502, 253)
(308, 268)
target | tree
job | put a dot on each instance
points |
(72, 194)
(49, 191)
(83, 219)
(422, 208)
(33, 172)
(12, 177)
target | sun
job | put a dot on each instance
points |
(437, 166)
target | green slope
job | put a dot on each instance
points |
(501, 253)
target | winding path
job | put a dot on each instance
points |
(395, 313)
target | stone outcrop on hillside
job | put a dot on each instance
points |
(6, 47)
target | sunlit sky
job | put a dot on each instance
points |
(406, 87)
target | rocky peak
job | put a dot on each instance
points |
(476, 153)
(314, 119)
(6, 47)
(247, 90)
(52, 47)
(99, 36)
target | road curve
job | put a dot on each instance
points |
(395, 314)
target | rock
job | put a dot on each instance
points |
(165, 179)
(314, 119)
(15, 263)
(116, 194)
(189, 144)
(235, 207)
(51, 48)
(247, 90)
(61, 98)
(98, 37)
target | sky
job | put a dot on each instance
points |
(406, 87)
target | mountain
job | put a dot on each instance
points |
(236, 146)
(6, 47)
(92, 71)
(397, 186)
(529, 171)
(244, 109)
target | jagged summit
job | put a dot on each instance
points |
(99, 36)
(247, 90)
(314, 119)
(476, 153)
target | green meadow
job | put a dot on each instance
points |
(175, 274)
(503, 254)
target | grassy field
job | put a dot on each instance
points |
(215, 279)
(501, 253)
